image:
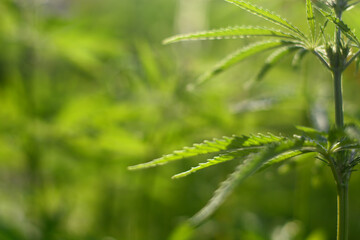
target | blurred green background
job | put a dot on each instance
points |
(87, 89)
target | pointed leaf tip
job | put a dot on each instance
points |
(267, 15)
(311, 19)
(240, 55)
(231, 33)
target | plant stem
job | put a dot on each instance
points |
(342, 210)
(337, 73)
(339, 112)
(341, 176)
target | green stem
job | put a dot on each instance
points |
(341, 176)
(337, 73)
(339, 112)
(343, 211)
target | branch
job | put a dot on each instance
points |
(322, 59)
(352, 59)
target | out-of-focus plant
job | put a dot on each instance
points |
(338, 147)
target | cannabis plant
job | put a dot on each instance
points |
(338, 147)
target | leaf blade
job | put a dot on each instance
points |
(344, 28)
(205, 147)
(299, 55)
(219, 159)
(238, 56)
(267, 15)
(242, 172)
(219, 146)
(230, 33)
(311, 19)
(274, 58)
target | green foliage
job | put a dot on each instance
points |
(259, 151)
(240, 55)
(87, 89)
(341, 25)
(270, 154)
(274, 58)
(231, 33)
(225, 149)
(311, 19)
(267, 15)
(336, 148)
(290, 42)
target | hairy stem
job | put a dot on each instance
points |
(341, 177)
(343, 212)
(339, 112)
(337, 73)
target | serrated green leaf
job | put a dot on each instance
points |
(281, 158)
(241, 152)
(243, 171)
(310, 131)
(240, 55)
(254, 144)
(341, 25)
(260, 140)
(314, 136)
(266, 14)
(226, 145)
(231, 33)
(310, 19)
(306, 146)
(206, 147)
(274, 58)
(346, 147)
(219, 146)
(299, 55)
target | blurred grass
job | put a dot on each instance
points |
(87, 89)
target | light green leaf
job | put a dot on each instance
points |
(239, 149)
(310, 19)
(306, 146)
(341, 25)
(206, 147)
(242, 172)
(266, 14)
(184, 231)
(219, 146)
(312, 133)
(230, 33)
(310, 130)
(260, 140)
(299, 55)
(239, 55)
(274, 58)
(281, 158)
(241, 152)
